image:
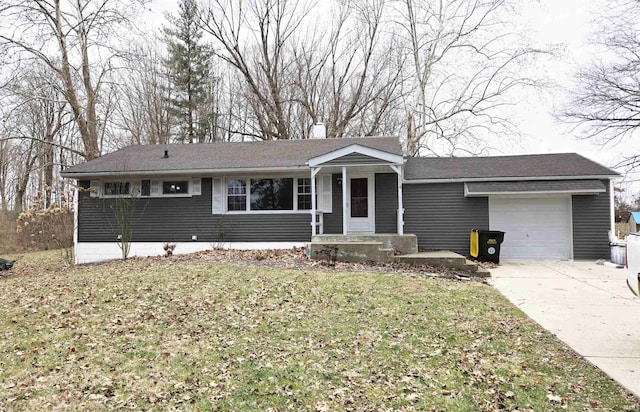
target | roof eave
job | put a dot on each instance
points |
(387, 157)
(184, 172)
(533, 192)
(507, 179)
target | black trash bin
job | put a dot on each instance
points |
(485, 245)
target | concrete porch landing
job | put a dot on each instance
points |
(387, 248)
(378, 247)
(407, 243)
(443, 258)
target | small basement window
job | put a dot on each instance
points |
(178, 187)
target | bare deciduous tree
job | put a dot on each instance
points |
(350, 79)
(255, 38)
(72, 38)
(37, 118)
(464, 60)
(142, 107)
(604, 103)
(7, 157)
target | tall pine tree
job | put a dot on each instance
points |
(189, 62)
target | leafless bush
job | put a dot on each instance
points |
(44, 228)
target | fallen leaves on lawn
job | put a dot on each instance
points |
(270, 330)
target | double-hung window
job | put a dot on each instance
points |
(236, 195)
(304, 193)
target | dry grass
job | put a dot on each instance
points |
(195, 334)
(622, 230)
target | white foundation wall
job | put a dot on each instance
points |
(92, 252)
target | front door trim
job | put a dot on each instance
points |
(361, 224)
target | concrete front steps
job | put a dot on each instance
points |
(444, 258)
(379, 247)
(399, 243)
(386, 248)
(365, 251)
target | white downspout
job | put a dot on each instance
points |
(75, 223)
(612, 209)
(400, 204)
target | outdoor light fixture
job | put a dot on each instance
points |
(194, 237)
(339, 181)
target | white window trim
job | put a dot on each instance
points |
(189, 180)
(225, 191)
(189, 185)
(296, 193)
(248, 211)
(135, 186)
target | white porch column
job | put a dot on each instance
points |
(398, 170)
(314, 206)
(345, 204)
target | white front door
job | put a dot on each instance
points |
(360, 204)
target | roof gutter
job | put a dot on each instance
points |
(535, 192)
(183, 172)
(507, 179)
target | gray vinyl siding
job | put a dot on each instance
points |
(591, 225)
(176, 219)
(386, 203)
(354, 159)
(441, 217)
(333, 221)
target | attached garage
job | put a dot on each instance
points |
(536, 228)
(551, 207)
(536, 215)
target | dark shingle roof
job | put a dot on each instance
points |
(527, 166)
(528, 186)
(214, 156)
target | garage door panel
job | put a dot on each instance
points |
(525, 205)
(534, 228)
(534, 236)
(534, 253)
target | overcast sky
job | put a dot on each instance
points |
(570, 23)
(565, 23)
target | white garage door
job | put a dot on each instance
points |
(534, 228)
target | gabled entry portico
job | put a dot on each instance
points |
(356, 166)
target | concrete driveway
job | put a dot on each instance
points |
(588, 306)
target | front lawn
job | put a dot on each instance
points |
(194, 334)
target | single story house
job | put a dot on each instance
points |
(278, 194)
(634, 222)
